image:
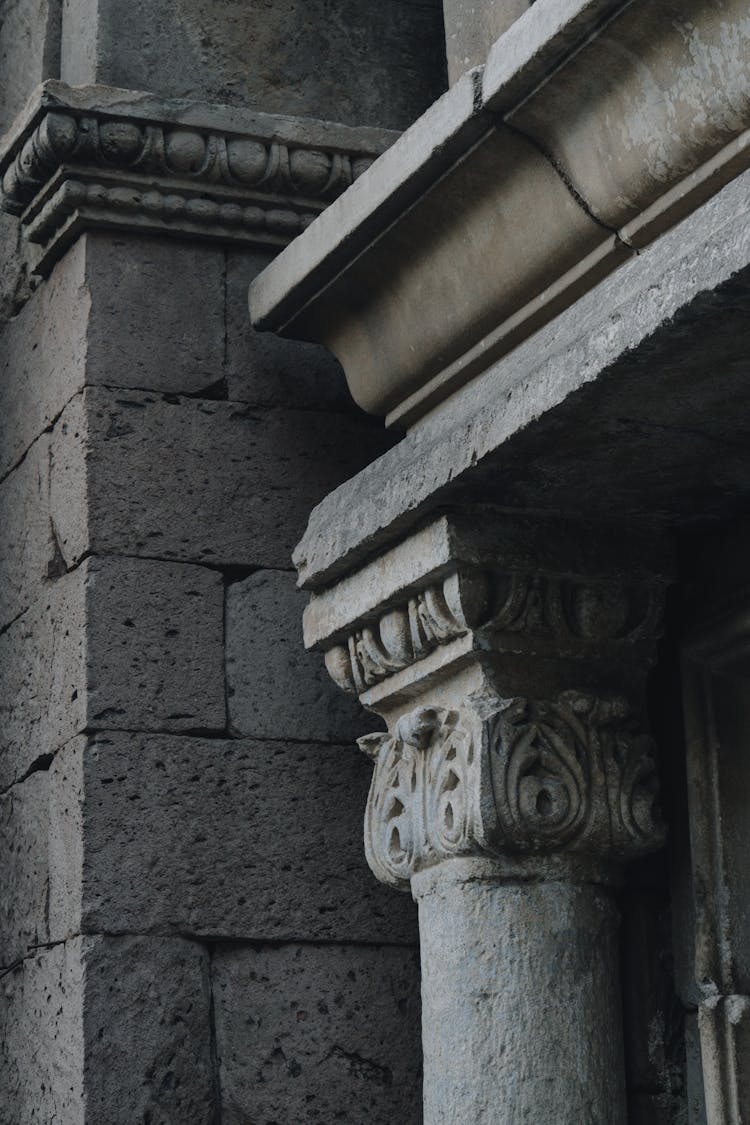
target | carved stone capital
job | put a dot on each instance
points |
(568, 778)
(115, 158)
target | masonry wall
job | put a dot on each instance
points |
(188, 930)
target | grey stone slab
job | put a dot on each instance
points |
(43, 357)
(200, 480)
(225, 839)
(14, 281)
(147, 1032)
(274, 688)
(43, 677)
(266, 370)
(42, 1039)
(633, 365)
(27, 549)
(118, 642)
(472, 26)
(144, 330)
(318, 1034)
(24, 829)
(108, 1030)
(359, 63)
(400, 177)
(29, 51)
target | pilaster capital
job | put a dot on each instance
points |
(540, 786)
(509, 660)
(125, 160)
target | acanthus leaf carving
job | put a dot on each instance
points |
(572, 776)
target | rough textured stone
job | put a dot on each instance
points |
(24, 825)
(14, 282)
(118, 643)
(472, 26)
(147, 1032)
(199, 480)
(29, 51)
(27, 549)
(580, 416)
(358, 63)
(41, 1039)
(43, 357)
(318, 1034)
(115, 1030)
(510, 975)
(223, 839)
(274, 688)
(266, 370)
(144, 332)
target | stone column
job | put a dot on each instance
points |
(514, 781)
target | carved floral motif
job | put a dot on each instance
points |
(566, 610)
(93, 141)
(573, 775)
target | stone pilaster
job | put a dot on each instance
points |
(515, 780)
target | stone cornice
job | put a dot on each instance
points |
(523, 187)
(103, 157)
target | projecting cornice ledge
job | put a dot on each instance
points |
(97, 156)
(594, 127)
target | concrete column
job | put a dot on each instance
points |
(520, 1000)
(514, 783)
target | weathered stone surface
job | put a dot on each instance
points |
(24, 827)
(510, 975)
(42, 1039)
(266, 370)
(313, 1034)
(27, 549)
(147, 1031)
(29, 51)
(472, 26)
(200, 480)
(118, 643)
(223, 839)
(359, 63)
(141, 331)
(14, 282)
(43, 357)
(274, 688)
(634, 363)
(108, 1029)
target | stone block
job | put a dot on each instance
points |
(244, 840)
(318, 1034)
(266, 370)
(274, 688)
(147, 1032)
(358, 63)
(108, 1029)
(29, 51)
(157, 313)
(43, 357)
(14, 282)
(200, 480)
(118, 642)
(472, 26)
(24, 826)
(41, 1039)
(27, 549)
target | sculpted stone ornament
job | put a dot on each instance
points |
(573, 775)
(100, 156)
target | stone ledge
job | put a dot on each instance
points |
(517, 193)
(97, 156)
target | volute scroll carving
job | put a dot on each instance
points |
(571, 776)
